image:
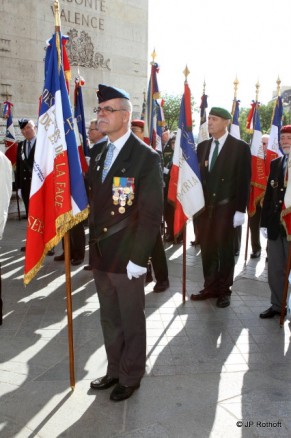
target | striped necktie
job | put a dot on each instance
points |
(108, 160)
(215, 154)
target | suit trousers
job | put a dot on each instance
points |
(122, 316)
(277, 263)
(255, 222)
(216, 234)
(159, 260)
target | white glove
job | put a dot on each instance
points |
(238, 219)
(19, 193)
(166, 170)
(134, 270)
(264, 232)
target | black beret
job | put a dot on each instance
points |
(22, 123)
(220, 112)
(105, 93)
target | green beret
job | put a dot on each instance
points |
(220, 112)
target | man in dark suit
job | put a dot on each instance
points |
(225, 166)
(24, 160)
(125, 180)
(273, 227)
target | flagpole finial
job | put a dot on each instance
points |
(204, 86)
(57, 14)
(153, 55)
(186, 72)
(278, 86)
(235, 83)
(257, 90)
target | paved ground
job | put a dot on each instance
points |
(210, 372)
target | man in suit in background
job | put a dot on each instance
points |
(24, 160)
(273, 227)
(225, 166)
(125, 180)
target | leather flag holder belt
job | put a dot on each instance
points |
(110, 231)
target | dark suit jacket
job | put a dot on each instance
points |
(273, 200)
(230, 177)
(134, 241)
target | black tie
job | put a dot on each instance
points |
(28, 147)
(214, 155)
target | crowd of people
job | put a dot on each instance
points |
(131, 218)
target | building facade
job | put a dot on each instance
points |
(107, 44)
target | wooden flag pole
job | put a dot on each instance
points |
(247, 239)
(67, 252)
(286, 285)
(184, 264)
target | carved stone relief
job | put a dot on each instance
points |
(81, 52)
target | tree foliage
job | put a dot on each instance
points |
(171, 109)
(266, 116)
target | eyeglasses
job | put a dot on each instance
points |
(108, 109)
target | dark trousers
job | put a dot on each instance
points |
(237, 239)
(159, 260)
(216, 235)
(122, 304)
(169, 219)
(254, 223)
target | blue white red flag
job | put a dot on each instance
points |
(203, 128)
(273, 150)
(154, 116)
(82, 139)
(10, 138)
(258, 177)
(185, 188)
(58, 197)
(234, 128)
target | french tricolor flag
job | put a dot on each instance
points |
(185, 188)
(58, 197)
(273, 150)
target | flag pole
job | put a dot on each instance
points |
(248, 222)
(67, 255)
(186, 72)
(286, 284)
(184, 264)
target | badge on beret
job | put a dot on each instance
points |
(122, 192)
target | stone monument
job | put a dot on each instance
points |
(107, 44)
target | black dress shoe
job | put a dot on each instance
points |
(87, 268)
(51, 252)
(223, 301)
(103, 382)
(161, 286)
(76, 262)
(204, 294)
(23, 248)
(121, 392)
(59, 258)
(194, 242)
(256, 255)
(269, 313)
(236, 253)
